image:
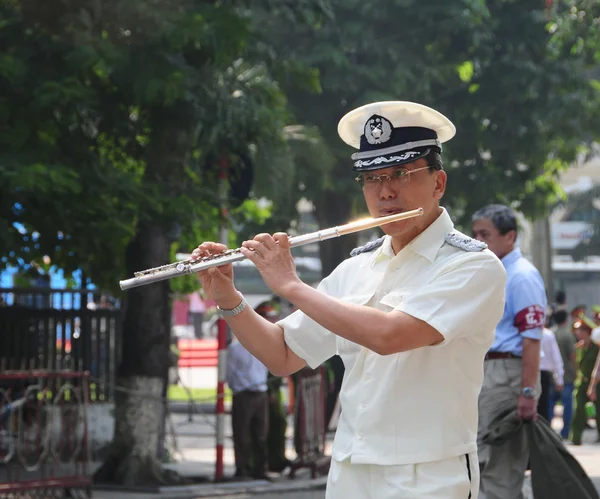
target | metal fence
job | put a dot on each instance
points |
(309, 421)
(54, 330)
(44, 435)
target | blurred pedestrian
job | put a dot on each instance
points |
(196, 313)
(586, 385)
(247, 379)
(512, 365)
(566, 344)
(575, 316)
(276, 440)
(560, 301)
(552, 372)
(596, 313)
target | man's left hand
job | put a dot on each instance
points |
(272, 257)
(527, 408)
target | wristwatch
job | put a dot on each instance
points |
(528, 392)
(232, 311)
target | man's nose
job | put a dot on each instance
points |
(386, 190)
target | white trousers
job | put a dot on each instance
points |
(453, 478)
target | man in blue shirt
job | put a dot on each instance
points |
(247, 379)
(511, 367)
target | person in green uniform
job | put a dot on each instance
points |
(596, 313)
(576, 312)
(586, 354)
(276, 439)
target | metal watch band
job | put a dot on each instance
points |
(528, 392)
(232, 311)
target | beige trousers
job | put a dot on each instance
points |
(452, 478)
(504, 465)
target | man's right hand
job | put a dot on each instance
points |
(217, 282)
(527, 408)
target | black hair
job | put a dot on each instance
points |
(434, 160)
(560, 316)
(503, 218)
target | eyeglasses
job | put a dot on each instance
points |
(400, 177)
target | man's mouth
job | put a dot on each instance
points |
(390, 211)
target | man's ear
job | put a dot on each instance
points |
(440, 184)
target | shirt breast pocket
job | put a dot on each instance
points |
(393, 300)
(344, 346)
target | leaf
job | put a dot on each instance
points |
(465, 71)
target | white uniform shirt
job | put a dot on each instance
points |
(419, 405)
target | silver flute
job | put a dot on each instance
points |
(190, 266)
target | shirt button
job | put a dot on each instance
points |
(363, 406)
(368, 377)
(360, 436)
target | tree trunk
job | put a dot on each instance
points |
(334, 208)
(541, 250)
(139, 411)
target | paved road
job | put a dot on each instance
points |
(193, 443)
(311, 494)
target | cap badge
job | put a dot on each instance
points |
(378, 130)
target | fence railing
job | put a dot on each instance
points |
(44, 433)
(309, 421)
(53, 330)
(58, 299)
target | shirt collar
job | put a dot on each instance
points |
(511, 257)
(426, 244)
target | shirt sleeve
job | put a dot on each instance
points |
(465, 300)
(559, 369)
(232, 360)
(306, 338)
(528, 298)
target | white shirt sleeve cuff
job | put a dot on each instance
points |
(425, 316)
(533, 334)
(295, 347)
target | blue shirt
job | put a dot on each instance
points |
(525, 306)
(244, 370)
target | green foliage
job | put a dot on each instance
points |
(583, 206)
(507, 73)
(576, 29)
(114, 115)
(526, 121)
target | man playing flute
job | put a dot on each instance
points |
(412, 316)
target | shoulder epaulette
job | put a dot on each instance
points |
(370, 246)
(464, 242)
